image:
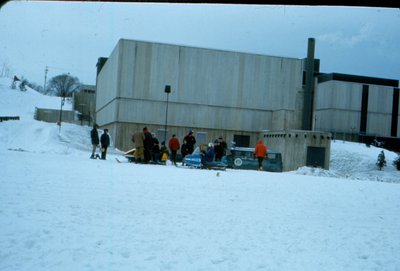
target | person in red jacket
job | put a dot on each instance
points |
(174, 146)
(260, 151)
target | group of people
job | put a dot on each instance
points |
(103, 141)
(215, 151)
(148, 149)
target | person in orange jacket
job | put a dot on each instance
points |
(174, 146)
(260, 151)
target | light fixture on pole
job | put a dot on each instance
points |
(168, 91)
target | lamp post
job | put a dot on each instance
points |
(168, 91)
(45, 78)
(62, 103)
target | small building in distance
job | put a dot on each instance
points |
(84, 102)
(300, 148)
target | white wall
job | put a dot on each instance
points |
(211, 89)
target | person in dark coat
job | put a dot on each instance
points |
(105, 143)
(220, 148)
(184, 149)
(156, 150)
(190, 142)
(223, 144)
(94, 135)
(148, 145)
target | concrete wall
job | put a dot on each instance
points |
(338, 108)
(380, 103)
(108, 87)
(293, 145)
(212, 90)
(53, 115)
(84, 102)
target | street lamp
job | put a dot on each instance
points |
(168, 91)
(62, 103)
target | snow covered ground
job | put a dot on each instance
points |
(60, 210)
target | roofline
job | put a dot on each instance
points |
(212, 49)
(357, 79)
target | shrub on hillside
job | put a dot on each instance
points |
(396, 162)
(381, 163)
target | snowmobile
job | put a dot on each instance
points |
(197, 160)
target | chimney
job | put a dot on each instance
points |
(309, 87)
(100, 63)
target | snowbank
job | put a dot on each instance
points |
(60, 210)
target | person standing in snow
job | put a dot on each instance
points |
(156, 149)
(223, 144)
(148, 145)
(138, 139)
(184, 149)
(190, 142)
(220, 148)
(174, 146)
(260, 151)
(105, 143)
(94, 135)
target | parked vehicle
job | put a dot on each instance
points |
(197, 160)
(243, 158)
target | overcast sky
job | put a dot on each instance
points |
(69, 37)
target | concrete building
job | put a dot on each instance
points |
(213, 92)
(84, 102)
(300, 148)
(238, 95)
(351, 106)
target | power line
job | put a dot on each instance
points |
(67, 69)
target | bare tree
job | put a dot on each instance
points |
(64, 85)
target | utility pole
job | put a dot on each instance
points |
(168, 91)
(45, 78)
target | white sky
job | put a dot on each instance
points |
(71, 36)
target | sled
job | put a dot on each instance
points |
(130, 155)
(197, 160)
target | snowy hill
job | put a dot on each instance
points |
(60, 210)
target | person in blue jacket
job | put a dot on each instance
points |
(210, 154)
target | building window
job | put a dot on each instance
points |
(201, 138)
(241, 140)
(316, 157)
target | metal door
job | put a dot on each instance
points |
(315, 157)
